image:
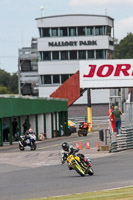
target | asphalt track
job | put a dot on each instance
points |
(29, 174)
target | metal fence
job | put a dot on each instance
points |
(124, 140)
(128, 114)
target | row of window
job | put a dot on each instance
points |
(72, 55)
(54, 79)
(75, 31)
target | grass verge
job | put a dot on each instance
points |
(116, 194)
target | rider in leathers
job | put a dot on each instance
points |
(67, 150)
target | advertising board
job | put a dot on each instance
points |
(113, 73)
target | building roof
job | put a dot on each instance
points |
(70, 15)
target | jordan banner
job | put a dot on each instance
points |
(113, 73)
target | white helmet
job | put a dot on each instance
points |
(30, 130)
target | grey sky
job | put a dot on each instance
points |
(18, 25)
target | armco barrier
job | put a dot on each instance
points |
(122, 141)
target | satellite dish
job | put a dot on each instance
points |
(41, 8)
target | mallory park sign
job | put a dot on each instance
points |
(72, 43)
(106, 73)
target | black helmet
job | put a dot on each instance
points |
(65, 146)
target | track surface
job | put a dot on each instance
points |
(31, 174)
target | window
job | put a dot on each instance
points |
(99, 54)
(47, 79)
(99, 30)
(46, 55)
(72, 31)
(55, 55)
(109, 54)
(82, 54)
(63, 31)
(45, 32)
(81, 31)
(111, 43)
(41, 55)
(56, 79)
(90, 54)
(40, 32)
(64, 55)
(42, 79)
(90, 31)
(64, 77)
(108, 31)
(73, 55)
(54, 32)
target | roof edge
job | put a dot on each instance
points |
(69, 15)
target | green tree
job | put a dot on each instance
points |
(14, 84)
(3, 90)
(8, 82)
(4, 78)
(124, 49)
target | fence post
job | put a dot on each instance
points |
(1, 133)
(10, 122)
(36, 116)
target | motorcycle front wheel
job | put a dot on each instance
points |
(79, 133)
(33, 146)
(78, 170)
(21, 147)
(90, 171)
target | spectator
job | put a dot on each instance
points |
(5, 132)
(112, 118)
(14, 126)
(117, 114)
(25, 126)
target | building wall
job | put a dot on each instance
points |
(58, 67)
(102, 43)
(48, 127)
(81, 110)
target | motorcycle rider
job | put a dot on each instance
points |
(30, 131)
(67, 150)
(81, 125)
(85, 126)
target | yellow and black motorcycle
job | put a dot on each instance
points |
(74, 162)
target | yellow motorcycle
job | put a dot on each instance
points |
(74, 162)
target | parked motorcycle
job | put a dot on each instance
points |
(27, 141)
(81, 167)
(83, 129)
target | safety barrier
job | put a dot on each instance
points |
(122, 141)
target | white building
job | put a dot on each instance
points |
(66, 39)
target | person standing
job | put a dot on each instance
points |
(14, 126)
(25, 126)
(117, 114)
(112, 118)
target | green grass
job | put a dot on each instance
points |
(116, 194)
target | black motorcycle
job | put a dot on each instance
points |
(27, 141)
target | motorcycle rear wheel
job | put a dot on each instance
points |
(21, 147)
(78, 170)
(90, 171)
